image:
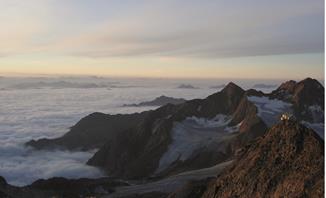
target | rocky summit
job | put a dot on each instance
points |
(288, 161)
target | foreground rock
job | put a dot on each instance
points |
(287, 162)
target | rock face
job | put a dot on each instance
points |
(159, 101)
(92, 131)
(193, 189)
(288, 161)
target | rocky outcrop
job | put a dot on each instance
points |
(251, 125)
(159, 101)
(288, 161)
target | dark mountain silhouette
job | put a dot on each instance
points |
(217, 86)
(263, 86)
(91, 132)
(159, 101)
(186, 86)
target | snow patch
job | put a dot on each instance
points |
(319, 128)
(192, 134)
(270, 109)
(316, 112)
(232, 129)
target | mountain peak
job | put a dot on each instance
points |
(232, 88)
(310, 82)
(292, 86)
(288, 86)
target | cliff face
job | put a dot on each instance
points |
(286, 162)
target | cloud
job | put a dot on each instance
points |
(48, 113)
(180, 29)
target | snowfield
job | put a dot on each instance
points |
(270, 109)
(318, 127)
(193, 134)
(317, 113)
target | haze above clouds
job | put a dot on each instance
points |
(158, 38)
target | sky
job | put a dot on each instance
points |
(163, 38)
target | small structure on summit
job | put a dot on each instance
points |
(287, 117)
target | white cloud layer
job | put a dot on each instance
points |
(34, 112)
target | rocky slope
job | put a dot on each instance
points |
(286, 162)
(93, 131)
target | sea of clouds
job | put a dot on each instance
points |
(45, 107)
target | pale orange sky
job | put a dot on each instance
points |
(206, 39)
(285, 66)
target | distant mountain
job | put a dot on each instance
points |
(57, 85)
(159, 101)
(264, 86)
(286, 162)
(218, 86)
(186, 86)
